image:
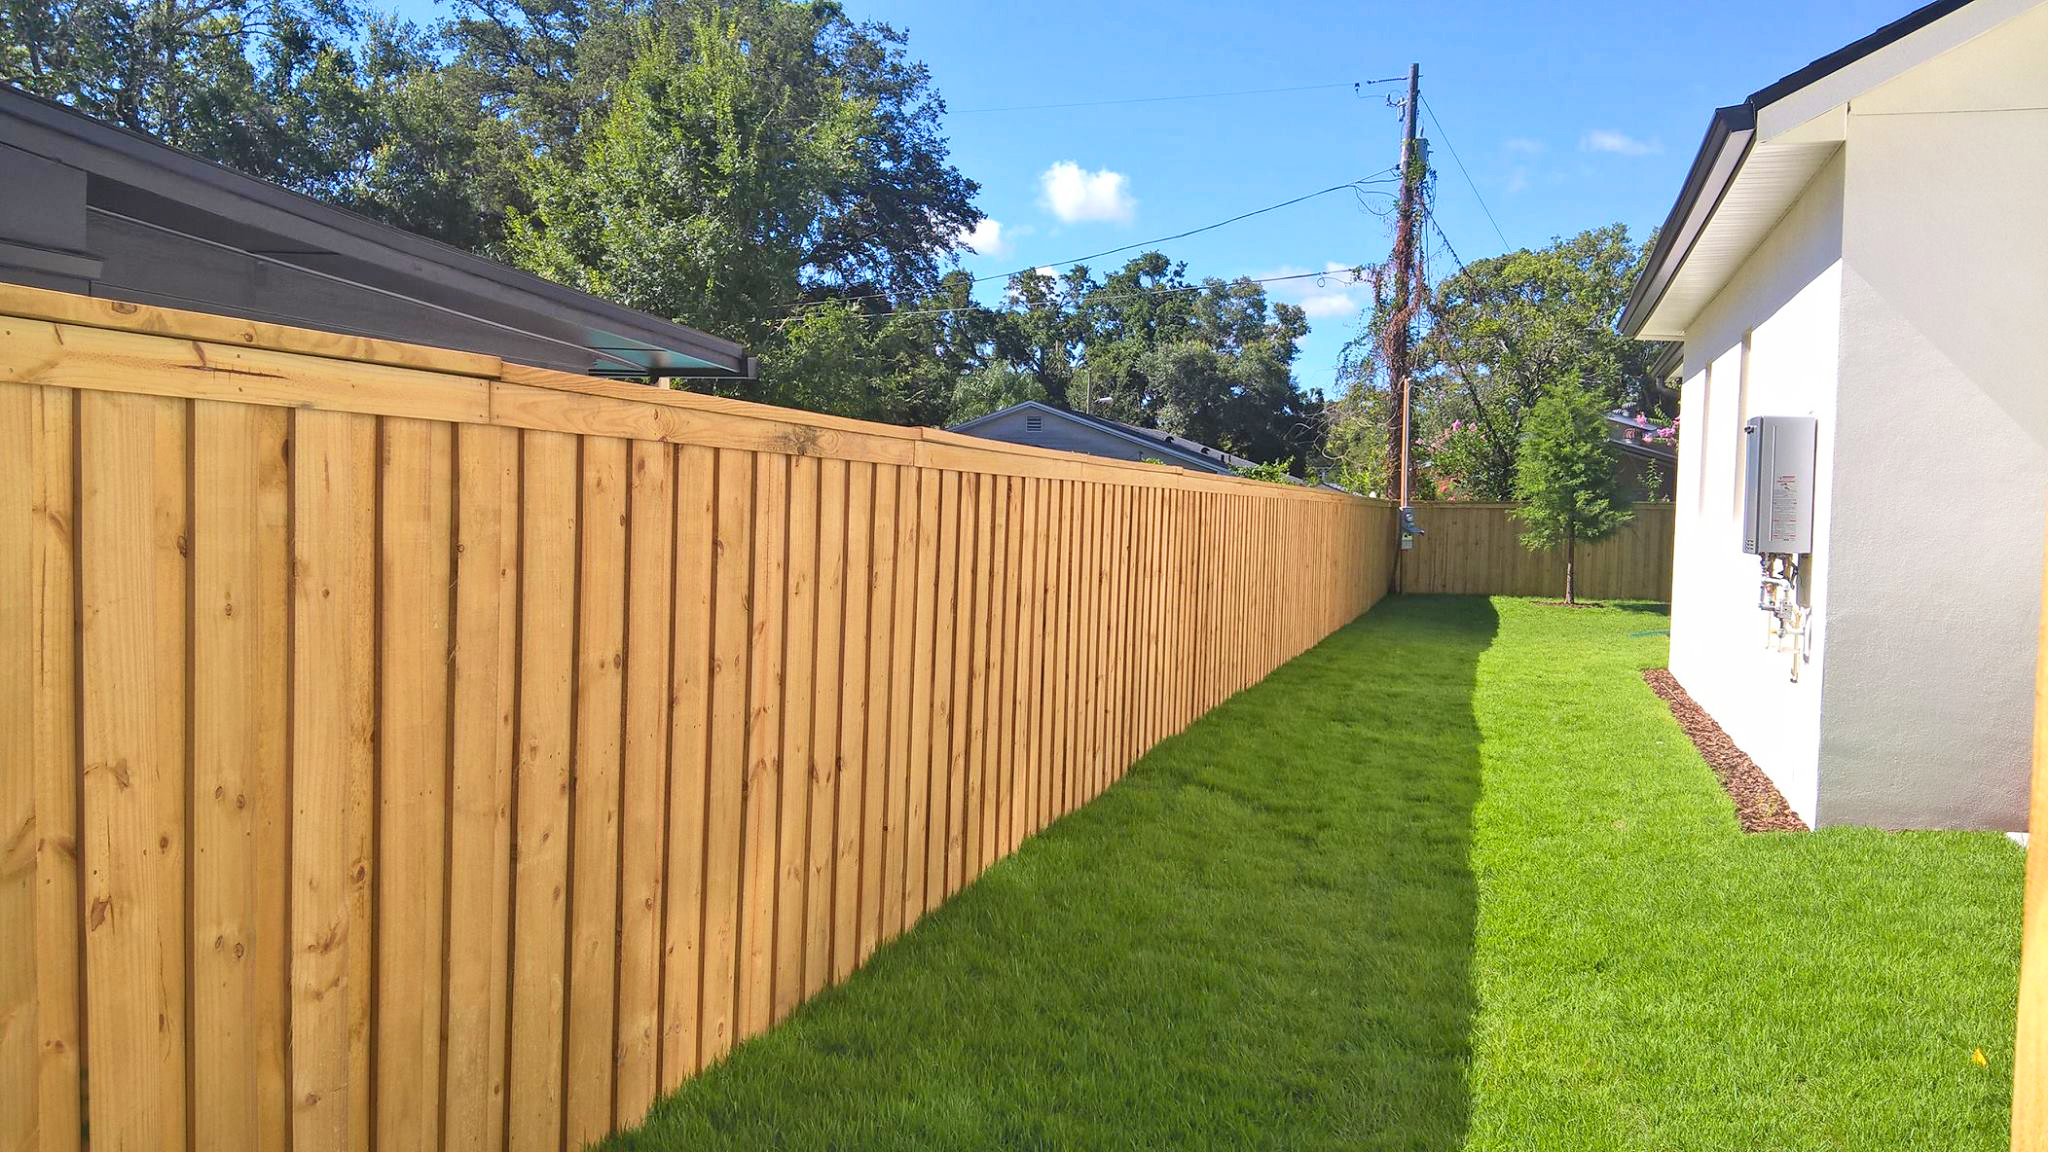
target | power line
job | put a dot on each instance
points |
(1469, 183)
(1354, 85)
(1360, 185)
(1349, 275)
(1449, 248)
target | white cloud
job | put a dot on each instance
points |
(1076, 195)
(985, 238)
(1619, 143)
(1047, 271)
(1518, 180)
(1329, 304)
(1524, 145)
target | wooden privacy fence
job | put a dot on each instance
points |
(1476, 549)
(2030, 1026)
(408, 750)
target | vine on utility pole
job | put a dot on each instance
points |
(1401, 324)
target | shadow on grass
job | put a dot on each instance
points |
(1262, 937)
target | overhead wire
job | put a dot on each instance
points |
(1354, 85)
(1353, 275)
(1360, 186)
(1469, 182)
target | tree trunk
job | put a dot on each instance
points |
(1571, 541)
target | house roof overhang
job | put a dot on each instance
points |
(1759, 155)
(348, 273)
(1171, 449)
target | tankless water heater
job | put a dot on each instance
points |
(1777, 493)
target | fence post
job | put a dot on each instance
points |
(2030, 1037)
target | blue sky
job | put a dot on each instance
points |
(1567, 115)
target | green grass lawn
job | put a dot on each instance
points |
(1453, 879)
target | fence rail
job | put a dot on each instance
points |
(1476, 549)
(409, 750)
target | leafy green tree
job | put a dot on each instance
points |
(274, 88)
(1501, 330)
(1564, 476)
(992, 389)
(1211, 360)
(1493, 335)
(1275, 472)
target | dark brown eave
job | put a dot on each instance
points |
(175, 229)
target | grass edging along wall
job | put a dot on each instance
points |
(428, 747)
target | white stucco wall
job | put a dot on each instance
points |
(1902, 302)
(1941, 470)
(1784, 303)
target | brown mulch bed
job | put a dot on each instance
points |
(1758, 803)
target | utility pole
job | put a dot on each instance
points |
(1404, 278)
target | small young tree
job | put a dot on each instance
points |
(1564, 477)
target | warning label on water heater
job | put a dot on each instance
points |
(1785, 510)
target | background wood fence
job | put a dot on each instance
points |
(1476, 549)
(401, 749)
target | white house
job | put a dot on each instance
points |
(1865, 243)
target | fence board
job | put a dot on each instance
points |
(687, 917)
(39, 874)
(761, 787)
(824, 769)
(594, 781)
(415, 519)
(793, 766)
(469, 755)
(727, 768)
(1475, 549)
(482, 752)
(643, 787)
(851, 767)
(240, 509)
(334, 608)
(551, 483)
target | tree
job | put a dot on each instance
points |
(991, 389)
(274, 88)
(753, 154)
(1501, 330)
(1564, 476)
(1276, 472)
(1496, 333)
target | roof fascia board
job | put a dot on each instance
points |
(1729, 136)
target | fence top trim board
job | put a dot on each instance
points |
(72, 341)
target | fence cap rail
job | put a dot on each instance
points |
(174, 352)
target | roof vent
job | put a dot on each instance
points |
(1033, 422)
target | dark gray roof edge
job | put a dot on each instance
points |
(1729, 135)
(1856, 50)
(127, 156)
(1224, 461)
(1735, 127)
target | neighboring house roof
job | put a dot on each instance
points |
(1760, 154)
(1169, 448)
(97, 209)
(1633, 433)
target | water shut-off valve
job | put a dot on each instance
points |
(1777, 526)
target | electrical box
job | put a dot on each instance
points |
(1777, 492)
